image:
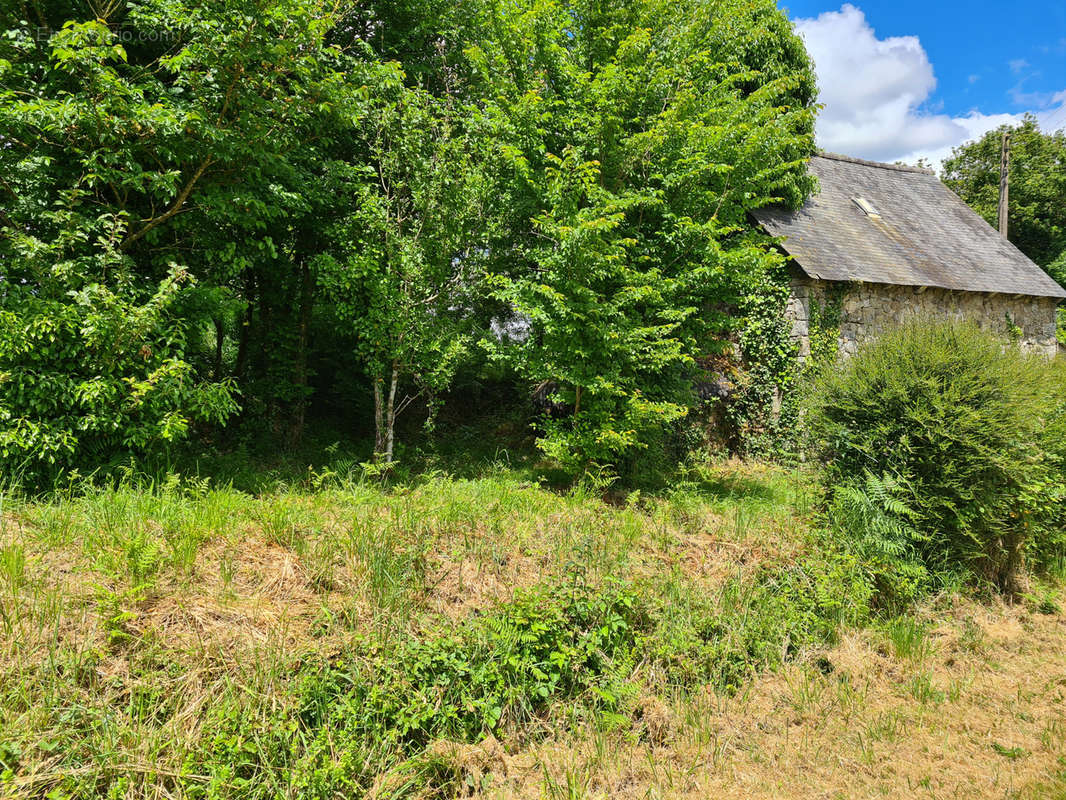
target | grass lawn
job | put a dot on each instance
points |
(488, 637)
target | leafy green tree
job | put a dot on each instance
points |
(134, 139)
(1037, 217)
(405, 263)
(248, 174)
(633, 140)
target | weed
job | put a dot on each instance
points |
(972, 637)
(1013, 753)
(922, 689)
(394, 572)
(909, 638)
(12, 567)
(117, 610)
(807, 690)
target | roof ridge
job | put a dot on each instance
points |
(879, 164)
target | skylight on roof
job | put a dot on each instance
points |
(867, 207)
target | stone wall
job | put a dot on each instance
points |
(868, 308)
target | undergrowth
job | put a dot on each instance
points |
(340, 638)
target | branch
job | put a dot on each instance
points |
(175, 207)
(407, 400)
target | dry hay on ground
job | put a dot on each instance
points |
(983, 715)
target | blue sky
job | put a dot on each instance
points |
(908, 79)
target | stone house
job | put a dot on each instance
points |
(885, 242)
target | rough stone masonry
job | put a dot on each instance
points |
(891, 242)
(867, 309)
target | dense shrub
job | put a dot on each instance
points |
(965, 426)
(1049, 543)
(96, 376)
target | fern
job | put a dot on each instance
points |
(879, 523)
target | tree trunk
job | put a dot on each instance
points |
(379, 421)
(304, 326)
(1011, 574)
(243, 344)
(220, 333)
(390, 416)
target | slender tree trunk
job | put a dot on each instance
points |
(243, 343)
(220, 333)
(304, 326)
(379, 421)
(390, 434)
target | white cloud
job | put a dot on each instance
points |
(875, 90)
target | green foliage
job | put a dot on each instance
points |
(636, 137)
(824, 329)
(1057, 270)
(1048, 546)
(404, 271)
(358, 716)
(763, 411)
(872, 518)
(759, 621)
(140, 138)
(959, 419)
(333, 703)
(90, 376)
(1037, 220)
(502, 673)
(341, 181)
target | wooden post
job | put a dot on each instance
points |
(1004, 183)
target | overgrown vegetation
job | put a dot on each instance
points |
(344, 207)
(239, 240)
(951, 437)
(339, 638)
(351, 630)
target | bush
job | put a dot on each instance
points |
(1048, 547)
(965, 425)
(95, 376)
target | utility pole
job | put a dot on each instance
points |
(1004, 183)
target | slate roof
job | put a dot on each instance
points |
(914, 232)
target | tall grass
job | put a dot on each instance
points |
(163, 637)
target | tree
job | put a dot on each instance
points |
(1037, 215)
(234, 177)
(405, 262)
(134, 139)
(633, 140)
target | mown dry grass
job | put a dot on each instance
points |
(223, 571)
(126, 616)
(981, 715)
